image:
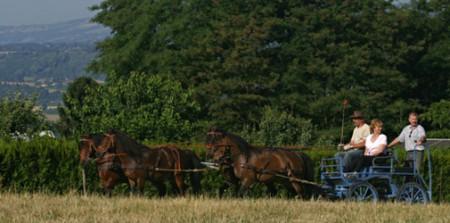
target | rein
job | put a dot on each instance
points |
(108, 155)
(277, 174)
(223, 161)
(173, 154)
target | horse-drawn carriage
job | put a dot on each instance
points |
(243, 165)
(385, 179)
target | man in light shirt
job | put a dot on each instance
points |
(355, 148)
(412, 136)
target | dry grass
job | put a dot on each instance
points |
(74, 208)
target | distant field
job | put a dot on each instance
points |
(74, 208)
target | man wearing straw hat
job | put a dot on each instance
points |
(355, 148)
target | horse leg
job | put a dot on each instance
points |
(243, 191)
(223, 188)
(174, 186)
(236, 189)
(179, 181)
(132, 184)
(108, 181)
(245, 185)
(107, 189)
(195, 179)
(271, 189)
(298, 189)
(140, 183)
(161, 187)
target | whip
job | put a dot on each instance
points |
(344, 104)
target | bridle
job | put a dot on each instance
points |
(103, 159)
(92, 148)
(111, 143)
(101, 152)
(225, 159)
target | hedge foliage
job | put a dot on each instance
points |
(48, 165)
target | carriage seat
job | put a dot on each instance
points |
(383, 162)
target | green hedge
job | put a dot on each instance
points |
(48, 165)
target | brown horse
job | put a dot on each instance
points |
(264, 165)
(160, 164)
(178, 160)
(108, 169)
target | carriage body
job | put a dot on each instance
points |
(383, 180)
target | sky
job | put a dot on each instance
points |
(28, 12)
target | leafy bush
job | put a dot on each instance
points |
(444, 133)
(278, 128)
(144, 106)
(20, 115)
(42, 164)
(438, 114)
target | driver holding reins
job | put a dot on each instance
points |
(354, 150)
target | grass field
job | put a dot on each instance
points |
(75, 208)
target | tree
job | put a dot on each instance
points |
(149, 107)
(77, 107)
(20, 115)
(144, 106)
(279, 128)
(303, 57)
(439, 114)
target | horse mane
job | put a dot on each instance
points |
(128, 144)
(97, 138)
(241, 143)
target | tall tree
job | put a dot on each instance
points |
(303, 57)
(77, 107)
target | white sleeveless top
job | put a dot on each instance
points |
(381, 140)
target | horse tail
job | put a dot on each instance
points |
(196, 176)
(308, 165)
(310, 189)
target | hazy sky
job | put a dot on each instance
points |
(26, 12)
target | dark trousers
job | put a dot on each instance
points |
(365, 161)
(415, 159)
(350, 158)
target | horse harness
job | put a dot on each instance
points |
(103, 160)
(174, 154)
(223, 162)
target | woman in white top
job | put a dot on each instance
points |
(375, 144)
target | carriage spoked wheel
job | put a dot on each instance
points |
(362, 191)
(412, 193)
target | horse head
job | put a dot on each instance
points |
(108, 143)
(220, 145)
(87, 149)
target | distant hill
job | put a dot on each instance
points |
(52, 61)
(41, 60)
(75, 31)
(42, 69)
